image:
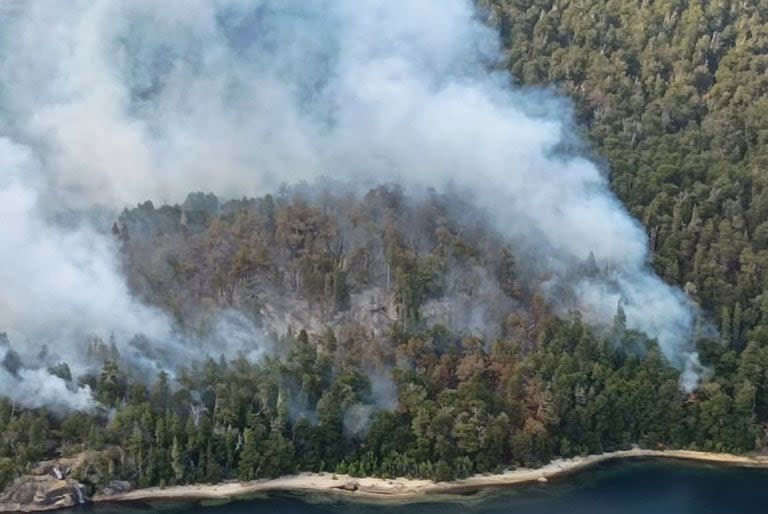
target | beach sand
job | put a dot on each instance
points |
(405, 489)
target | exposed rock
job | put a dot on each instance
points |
(115, 487)
(349, 486)
(279, 311)
(37, 493)
(60, 467)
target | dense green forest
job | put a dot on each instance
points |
(413, 397)
(463, 408)
(671, 96)
(674, 97)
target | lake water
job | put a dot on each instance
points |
(638, 487)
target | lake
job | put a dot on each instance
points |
(635, 487)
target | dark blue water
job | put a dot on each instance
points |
(620, 488)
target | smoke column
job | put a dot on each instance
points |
(107, 103)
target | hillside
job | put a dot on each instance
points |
(504, 315)
(674, 97)
(398, 338)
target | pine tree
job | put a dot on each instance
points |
(177, 461)
(161, 393)
(212, 467)
(136, 449)
(620, 320)
(249, 457)
(736, 326)
(725, 325)
(230, 444)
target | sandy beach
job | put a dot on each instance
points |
(410, 489)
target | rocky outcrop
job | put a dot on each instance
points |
(115, 487)
(39, 493)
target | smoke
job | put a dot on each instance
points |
(111, 102)
(233, 332)
(383, 396)
(37, 387)
(52, 275)
(62, 284)
(59, 285)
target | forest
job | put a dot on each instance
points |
(406, 338)
(672, 96)
(413, 394)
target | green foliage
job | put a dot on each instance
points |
(7, 472)
(673, 95)
(463, 408)
(249, 457)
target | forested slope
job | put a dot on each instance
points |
(368, 375)
(381, 382)
(674, 97)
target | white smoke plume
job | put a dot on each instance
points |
(111, 102)
(38, 388)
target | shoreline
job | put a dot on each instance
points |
(405, 489)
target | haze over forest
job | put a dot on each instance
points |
(247, 238)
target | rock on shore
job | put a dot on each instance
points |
(39, 493)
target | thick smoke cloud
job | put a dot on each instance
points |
(108, 103)
(58, 286)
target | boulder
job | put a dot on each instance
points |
(348, 486)
(61, 467)
(37, 493)
(115, 487)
